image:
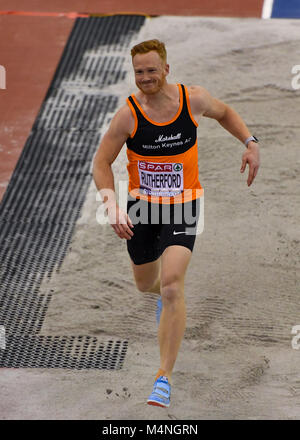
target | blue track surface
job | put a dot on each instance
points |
(286, 9)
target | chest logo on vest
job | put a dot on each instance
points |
(162, 138)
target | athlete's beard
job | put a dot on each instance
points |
(158, 86)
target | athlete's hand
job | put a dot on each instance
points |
(119, 221)
(251, 157)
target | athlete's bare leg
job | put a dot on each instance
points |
(175, 260)
(147, 276)
(165, 276)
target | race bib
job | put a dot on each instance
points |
(160, 179)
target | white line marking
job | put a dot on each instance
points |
(2, 77)
(267, 9)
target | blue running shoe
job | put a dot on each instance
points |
(161, 393)
(158, 309)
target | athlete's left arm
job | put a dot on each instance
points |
(203, 104)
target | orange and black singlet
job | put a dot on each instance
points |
(163, 157)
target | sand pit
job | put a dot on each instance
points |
(242, 290)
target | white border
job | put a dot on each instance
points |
(267, 9)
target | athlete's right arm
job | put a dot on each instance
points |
(111, 144)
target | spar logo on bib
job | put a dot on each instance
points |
(160, 179)
(177, 166)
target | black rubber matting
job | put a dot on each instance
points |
(47, 190)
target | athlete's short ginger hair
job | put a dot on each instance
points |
(148, 46)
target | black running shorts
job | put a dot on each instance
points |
(157, 226)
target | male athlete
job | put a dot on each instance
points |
(159, 125)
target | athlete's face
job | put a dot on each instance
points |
(150, 72)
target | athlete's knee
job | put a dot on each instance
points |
(172, 290)
(144, 285)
